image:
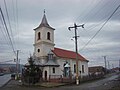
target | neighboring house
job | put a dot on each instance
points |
(96, 70)
(1, 70)
(6, 69)
(117, 69)
(55, 62)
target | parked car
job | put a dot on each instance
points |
(13, 75)
(1, 74)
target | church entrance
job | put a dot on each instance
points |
(66, 70)
(45, 75)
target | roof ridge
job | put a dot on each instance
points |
(66, 50)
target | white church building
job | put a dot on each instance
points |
(55, 62)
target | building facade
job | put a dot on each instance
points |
(96, 70)
(55, 62)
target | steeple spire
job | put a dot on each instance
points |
(44, 22)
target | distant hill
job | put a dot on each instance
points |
(11, 66)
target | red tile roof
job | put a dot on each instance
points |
(67, 54)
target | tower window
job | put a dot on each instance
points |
(53, 70)
(39, 35)
(38, 50)
(48, 36)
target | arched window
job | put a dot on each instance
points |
(39, 35)
(38, 50)
(48, 36)
(74, 68)
(83, 69)
(53, 70)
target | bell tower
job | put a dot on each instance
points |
(44, 38)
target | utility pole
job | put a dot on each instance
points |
(76, 48)
(119, 65)
(17, 63)
(108, 65)
(105, 64)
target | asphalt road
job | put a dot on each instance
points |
(4, 79)
(108, 83)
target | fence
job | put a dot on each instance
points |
(59, 78)
(91, 77)
(55, 78)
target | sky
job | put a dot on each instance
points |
(25, 15)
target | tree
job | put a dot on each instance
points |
(31, 72)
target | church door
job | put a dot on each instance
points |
(45, 75)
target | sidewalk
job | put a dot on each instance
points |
(50, 84)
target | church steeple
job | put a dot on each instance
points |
(44, 23)
(44, 38)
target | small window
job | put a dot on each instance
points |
(38, 50)
(48, 36)
(74, 68)
(53, 70)
(83, 69)
(39, 36)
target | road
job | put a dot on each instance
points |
(103, 84)
(4, 79)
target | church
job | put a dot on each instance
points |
(55, 62)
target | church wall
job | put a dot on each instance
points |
(61, 62)
(85, 68)
(43, 31)
(46, 69)
(49, 70)
(43, 44)
(73, 62)
(44, 35)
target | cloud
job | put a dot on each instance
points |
(60, 15)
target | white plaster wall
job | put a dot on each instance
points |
(43, 31)
(59, 70)
(50, 71)
(85, 68)
(46, 69)
(43, 44)
(72, 67)
(61, 62)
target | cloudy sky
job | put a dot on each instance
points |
(25, 15)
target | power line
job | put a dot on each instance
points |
(3, 32)
(9, 21)
(17, 24)
(7, 32)
(100, 28)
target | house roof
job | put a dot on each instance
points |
(51, 63)
(51, 60)
(44, 23)
(67, 54)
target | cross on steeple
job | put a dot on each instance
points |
(44, 11)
